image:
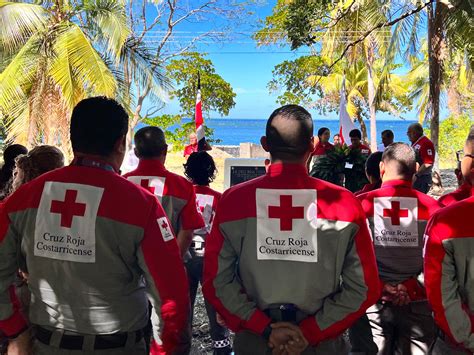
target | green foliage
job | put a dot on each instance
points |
(303, 17)
(454, 131)
(274, 30)
(53, 54)
(306, 81)
(217, 93)
(177, 137)
(331, 167)
(292, 76)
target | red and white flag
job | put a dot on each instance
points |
(202, 144)
(345, 123)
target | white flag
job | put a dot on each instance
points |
(345, 122)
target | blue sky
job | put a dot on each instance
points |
(248, 68)
(245, 66)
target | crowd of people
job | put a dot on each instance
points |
(92, 262)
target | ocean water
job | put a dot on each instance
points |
(233, 131)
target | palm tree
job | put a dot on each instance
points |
(55, 53)
(456, 86)
(361, 15)
(357, 89)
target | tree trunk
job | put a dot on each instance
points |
(454, 98)
(363, 127)
(436, 43)
(134, 122)
(371, 91)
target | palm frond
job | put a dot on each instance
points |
(108, 20)
(19, 21)
(145, 69)
(16, 79)
(78, 67)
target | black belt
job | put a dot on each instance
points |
(75, 342)
(285, 313)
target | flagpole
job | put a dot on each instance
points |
(345, 123)
(202, 145)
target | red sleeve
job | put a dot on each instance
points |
(212, 265)
(166, 278)
(190, 218)
(12, 322)
(427, 152)
(360, 260)
(439, 280)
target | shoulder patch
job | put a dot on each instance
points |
(165, 229)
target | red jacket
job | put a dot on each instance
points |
(449, 271)
(463, 192)
(368, 188)
(288, 238)
(87, 237)
(175, 193)
(397, 216)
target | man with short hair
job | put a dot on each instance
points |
(355, 178)
(401, 320)
(336, 139)
(175, 193)
(86, 237)
(289, 262)
(425, 154)
(387, 139)
(356, 144)
(449, 272)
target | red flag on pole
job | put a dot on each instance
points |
(201, 138)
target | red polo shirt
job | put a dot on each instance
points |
(322, 148)
(425, 149)
(190, 149)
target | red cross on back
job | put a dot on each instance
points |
(286, 212)
(395, 213)
(145, 183)
(68, 208)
